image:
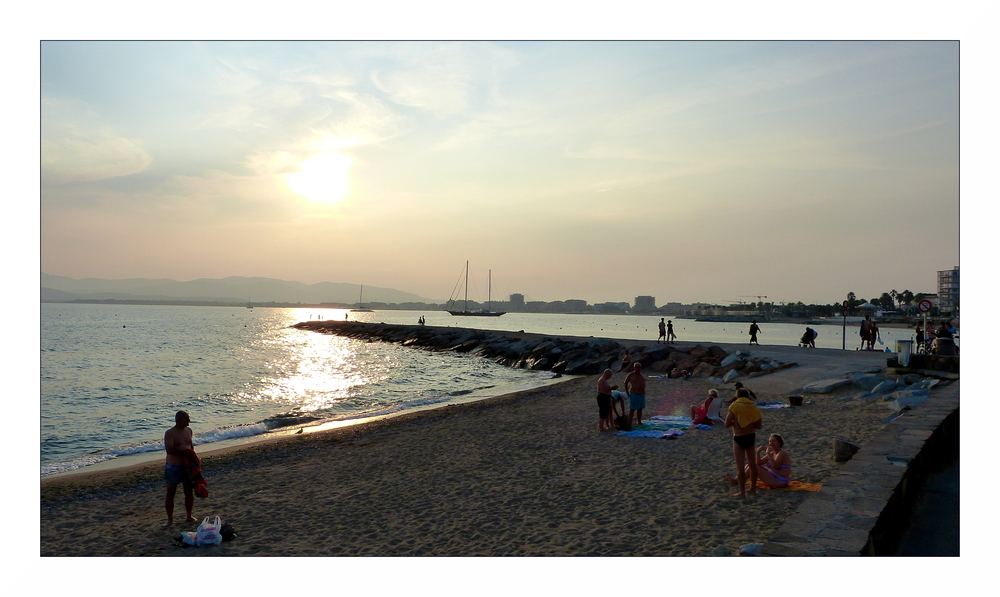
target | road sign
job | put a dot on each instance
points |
(924, 306)
(846, 306)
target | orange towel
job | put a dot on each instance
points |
(793, 486)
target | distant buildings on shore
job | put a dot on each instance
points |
(947, 289)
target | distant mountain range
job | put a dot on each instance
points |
(59, 289)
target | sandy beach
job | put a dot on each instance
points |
(525, 474)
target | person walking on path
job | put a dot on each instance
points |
(671, 336)
(177, 441)
(604, 387)
(754, 329)
(663, 331)
(745, 419)
(635, 385)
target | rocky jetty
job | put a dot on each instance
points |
(532, 351)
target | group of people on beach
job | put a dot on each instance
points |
(769, 464)
(937, 341)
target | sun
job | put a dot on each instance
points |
(322, 178)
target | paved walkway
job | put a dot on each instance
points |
(934, 524)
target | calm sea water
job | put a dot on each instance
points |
(112, 376)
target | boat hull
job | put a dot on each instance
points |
(474, 314)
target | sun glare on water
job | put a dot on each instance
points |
(322, 178)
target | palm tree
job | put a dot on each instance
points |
(907, 298)
(893, 294)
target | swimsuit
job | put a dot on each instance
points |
(636, 401)
(774, 471)
(176, 474)
(604, 404)
(745, 441)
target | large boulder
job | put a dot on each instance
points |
(884, 387)
(664, 366)
(729, 360)
(730, 376)
(867, 382)
(703, 370)
(824, 386)
(844, 449)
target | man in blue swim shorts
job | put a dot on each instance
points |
(635, 385)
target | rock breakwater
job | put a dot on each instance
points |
(532, 351)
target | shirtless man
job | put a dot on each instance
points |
(635, 385)
(176, 440)
(604, 410)
(744, 438)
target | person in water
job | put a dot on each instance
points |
(774, 465)
(176, 441)
(745, 419)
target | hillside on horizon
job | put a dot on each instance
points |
(234, 289)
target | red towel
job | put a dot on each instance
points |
(192, 466)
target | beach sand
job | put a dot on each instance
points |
(525, 474)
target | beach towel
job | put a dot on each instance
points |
(772, 405)
(192, 466)
(642, 433)
(668, 422)
(651, 433)
(793, 486)
(746, 411)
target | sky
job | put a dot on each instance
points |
(690, 171)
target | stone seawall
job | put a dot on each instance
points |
(573, 356)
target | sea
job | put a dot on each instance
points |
(112, 376)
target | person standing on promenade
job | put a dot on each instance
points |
(866, 334)
(745, 419)
(635, 385)
(177, 441)
(663, 331)
(604, 388)
(671, 336)
(754, 328)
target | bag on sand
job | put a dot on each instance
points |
(209, 533)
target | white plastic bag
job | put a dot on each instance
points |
(189, 538)
(209, 532)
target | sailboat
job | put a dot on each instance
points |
(249, 306)
(465, 311)
(361, 306)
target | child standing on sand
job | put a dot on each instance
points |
(745, 419)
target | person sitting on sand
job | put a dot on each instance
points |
(176, 441)
(736, 390)
(708, 411)
(604, 388)
(676, 373)
(745, 419)
(626, 361)
(635, 385)
(774, 465)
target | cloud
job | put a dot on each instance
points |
(74, 154)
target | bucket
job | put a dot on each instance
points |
(904, 347)
(795, 400)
